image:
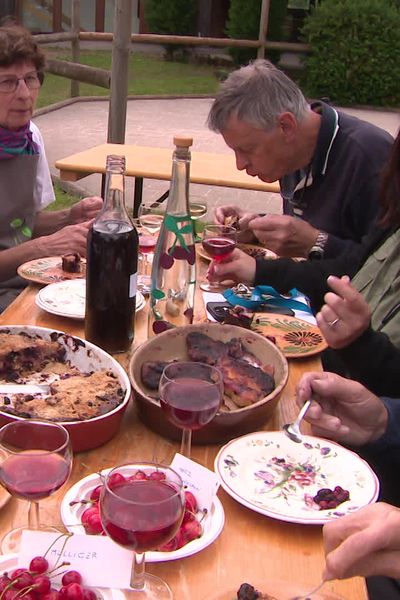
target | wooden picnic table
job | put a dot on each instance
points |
(143, 162)
(251, 547)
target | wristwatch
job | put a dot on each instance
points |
(317, 250)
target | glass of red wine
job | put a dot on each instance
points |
(141, 508)
(218, 241)
(35, 462)
(190, 396)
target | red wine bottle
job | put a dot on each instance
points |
(173, 275)
(111, 269)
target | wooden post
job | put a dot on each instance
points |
(75, 27)
(262, 36)
(119, 72)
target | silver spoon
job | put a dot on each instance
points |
(292, 430)
(311, 593)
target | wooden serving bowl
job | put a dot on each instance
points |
(171, 345)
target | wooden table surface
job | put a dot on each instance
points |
(251, 547)
(155, 163)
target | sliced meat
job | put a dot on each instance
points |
(202, 348)
(243, 383)
(151, 373)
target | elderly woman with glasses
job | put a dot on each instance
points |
(27, 231)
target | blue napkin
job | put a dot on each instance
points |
(265, 294)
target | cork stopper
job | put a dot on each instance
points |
(182, 141)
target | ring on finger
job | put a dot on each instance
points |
(333, 323)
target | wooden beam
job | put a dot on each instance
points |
(152, 38)
(119, 71)
(83, 73)
(50, 38)
(75, 48)
(262, 35)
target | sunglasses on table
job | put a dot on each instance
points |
(9, 83)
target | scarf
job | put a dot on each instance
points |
(15, 143)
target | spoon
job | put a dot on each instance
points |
(292, 430)
(311, 593)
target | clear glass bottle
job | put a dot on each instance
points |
(111, 269)
(173, 276)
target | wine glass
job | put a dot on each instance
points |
(141, 508)
(198, 209)
(35, 461)
(218, 241)
(150, 220)
(190, 396)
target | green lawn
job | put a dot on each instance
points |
(147, 75)
(63, 200)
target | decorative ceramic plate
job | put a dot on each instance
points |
(276, 477)
(279, 590)
(295, 337)
(9, 562)
(252, 249)
(48, 270)
(67, 299)
(212, 524)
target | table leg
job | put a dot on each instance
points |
(137, 197)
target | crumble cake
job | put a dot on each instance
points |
(74, 395)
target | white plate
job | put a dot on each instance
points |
(10, 562)
(67, 298)
(268, 473)
(212, 523)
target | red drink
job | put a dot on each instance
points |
(141, 515)
(218, 247)
(190, 403)
(33, 476)
(147, 243)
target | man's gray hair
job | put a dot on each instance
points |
(257, 93)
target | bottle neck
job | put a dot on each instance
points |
(178, 199)
(114, 193)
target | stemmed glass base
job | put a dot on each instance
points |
(154, 589)
(213, 287)
(10, 543)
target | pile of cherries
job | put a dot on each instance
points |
(35, 583)
(189, 530)
(328, 499)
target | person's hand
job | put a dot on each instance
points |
(342, 409)
(244, 234)
(363, 543)
(345, 314)
(238, 267)
(71, 238)
(85, 210)
(286, 236)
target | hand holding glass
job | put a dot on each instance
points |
(141, 508)
(218, 241)
(35, 461)
(190, 396)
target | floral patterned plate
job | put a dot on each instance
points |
(295, 337)
(268, 473)
(48, 270)
(67, 299)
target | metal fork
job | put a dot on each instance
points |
(311, 593)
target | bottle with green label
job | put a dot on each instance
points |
(173, 276)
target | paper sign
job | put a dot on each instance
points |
(101, 562)
(202, 482)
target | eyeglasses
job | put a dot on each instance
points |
(9, 83)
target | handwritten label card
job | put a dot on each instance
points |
(101, 562)
(202, 482)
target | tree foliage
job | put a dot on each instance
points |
(171, 17)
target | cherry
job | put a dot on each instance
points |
(93, 510)
(89, 594)
(41, 584)
(191, 530)
(72, 591)
(138, 476)
(190, 502)
(39, 564)
(188, 516)
(115, 479)
(52, 595)
(4, 582)
(169, 546)
(95, 493)
(157, 475)
(71, 577)
(21, 578)
(93, 524)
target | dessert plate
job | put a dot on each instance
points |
(212, 523)
(48, 270)
(67, 299)
(295, 337)
(280, 590)
(268, 473)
